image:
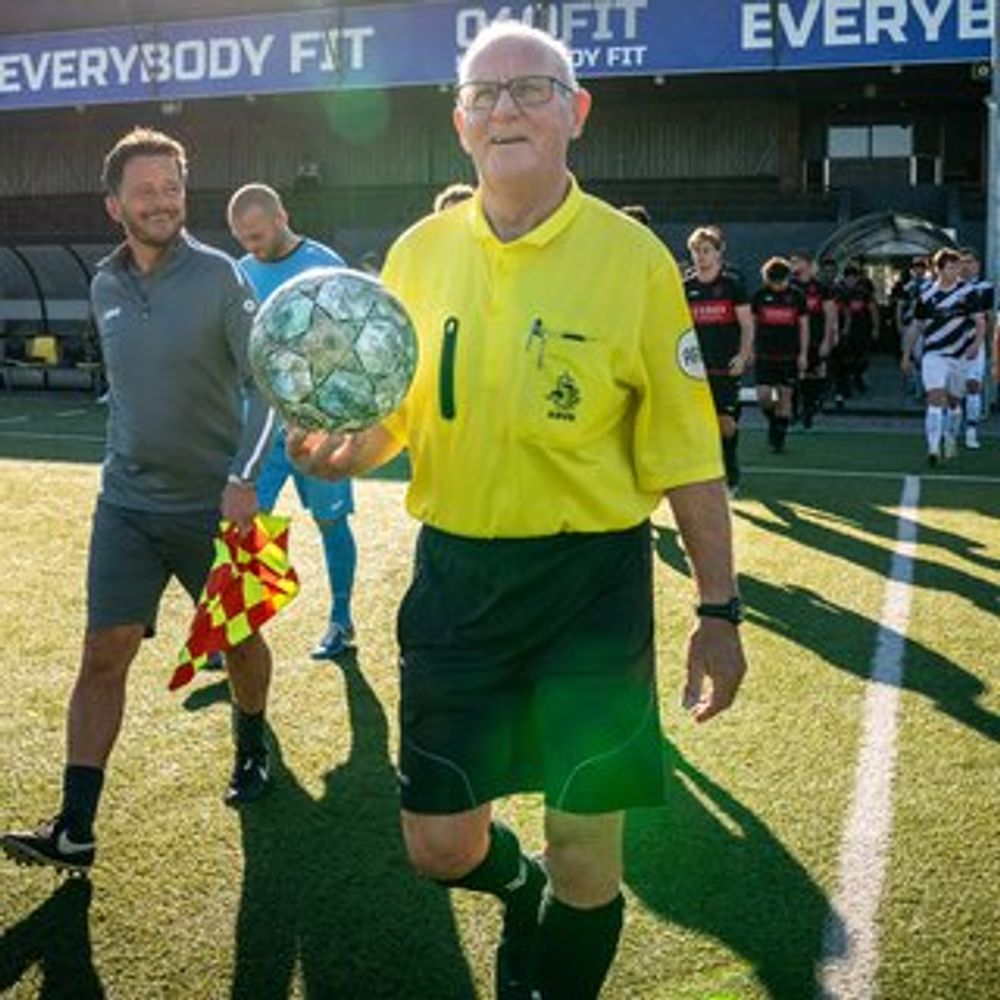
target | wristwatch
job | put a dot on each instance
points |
(731, 611)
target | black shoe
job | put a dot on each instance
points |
(50, 844)
(250, 779)
(807, 419)
(518, 949)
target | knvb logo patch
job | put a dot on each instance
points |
(565, 398)
(689, 358)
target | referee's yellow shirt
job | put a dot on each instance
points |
(559, 386)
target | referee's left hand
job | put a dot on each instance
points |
(715, 668)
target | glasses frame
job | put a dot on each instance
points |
(505, 85)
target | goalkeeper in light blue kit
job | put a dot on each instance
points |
(259, 222)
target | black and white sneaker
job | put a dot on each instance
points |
(250, 778)
(517, 952)
(50, 844)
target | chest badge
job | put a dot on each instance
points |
(565, 398)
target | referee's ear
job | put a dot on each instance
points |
(582, 101)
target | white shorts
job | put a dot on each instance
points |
(974, 369)
(939, 372)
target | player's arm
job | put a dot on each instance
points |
(341, 456)
(873, 310)
(977, 341)
(803, 360)
(239, 498)
(829, 328)
(745, 319)
(716, 662)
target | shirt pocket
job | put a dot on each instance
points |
(567, 395)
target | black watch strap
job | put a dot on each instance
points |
(730, 611)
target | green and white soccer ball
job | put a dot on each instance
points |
(331, 349)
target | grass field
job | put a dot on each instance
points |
(730, 886)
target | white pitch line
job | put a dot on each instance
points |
(35, 435)
(936, 477)
(850, 939)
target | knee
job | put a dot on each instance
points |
(105, 663)
(442, 855)
(585, 865)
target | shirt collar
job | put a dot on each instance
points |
(543, 233)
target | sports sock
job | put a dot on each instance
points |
(973, 409)
(954, 420)
(576, 948)
(504, 870)
(249, 731)
(731, 459)
(81, 793)
(934, 427)
(341, 555)
(780, 431)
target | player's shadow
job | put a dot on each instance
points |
(705, 862)
(827, 536)
(56, 937)
(327, 892)
(846, 640)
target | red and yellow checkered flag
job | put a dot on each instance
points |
(250, 581)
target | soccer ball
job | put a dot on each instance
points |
(331, 349)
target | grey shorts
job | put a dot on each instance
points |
(133, 555)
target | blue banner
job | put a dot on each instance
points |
(419, 43)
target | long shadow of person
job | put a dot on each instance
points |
(705, 862)
(326, 887)
(55, 936)
(846, 640)
(828, 536)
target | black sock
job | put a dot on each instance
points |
(576, 948)
(81, 792)
(780, 430)
(730, 459)
(503, 871)
(249, 732)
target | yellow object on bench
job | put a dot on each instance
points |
(42, 349)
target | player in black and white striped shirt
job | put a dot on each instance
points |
(975, 368)
(952, 326)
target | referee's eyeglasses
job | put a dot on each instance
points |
(525, 91)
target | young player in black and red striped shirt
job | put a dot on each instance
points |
(781, 344)
(858, 316)
(822, 314)
(720, 308)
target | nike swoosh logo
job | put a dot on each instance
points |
(66, 846)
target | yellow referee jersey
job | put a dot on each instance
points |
(559, 386)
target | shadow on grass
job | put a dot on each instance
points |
(55, 936)
(847, 640)
(328, 897)
(706, 862)
(817, 537)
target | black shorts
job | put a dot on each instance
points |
(528, 665)
(133, 555)
(776, 371)
(725, 394)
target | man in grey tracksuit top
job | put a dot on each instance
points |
(186, 432)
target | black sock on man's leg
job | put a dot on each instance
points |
(576, 948)
(248, 730)
(82, 786)
(730, 459)
(503, 872)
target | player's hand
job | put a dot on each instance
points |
(905, 364)
(239, 504)
(320, 453)
(803, 362)
(715, 668)
(971, 352)
(738, 364)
